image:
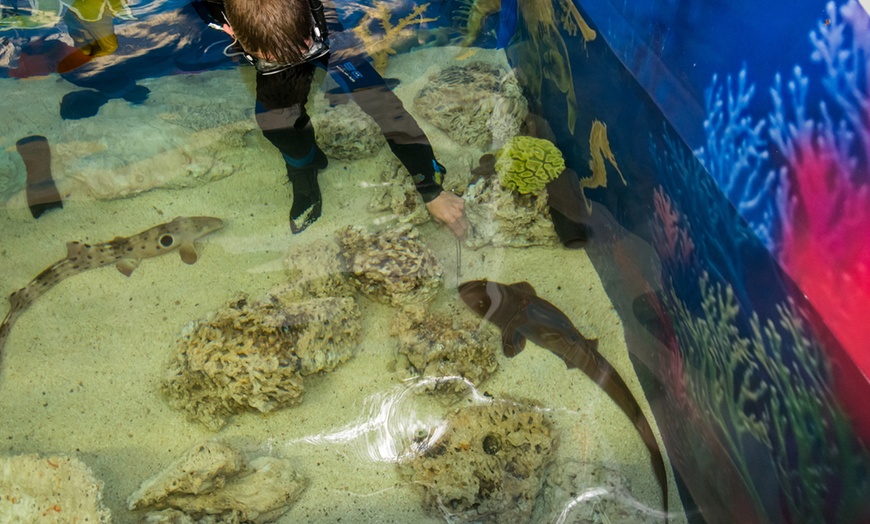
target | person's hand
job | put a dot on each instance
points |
(449, 209)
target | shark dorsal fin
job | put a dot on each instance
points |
(74, 249)
(524, 287)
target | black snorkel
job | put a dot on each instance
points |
(211, 12)
(320, 31)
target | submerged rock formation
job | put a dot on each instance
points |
(315, 271)
(477, 104)
(211, 483)
(55, 489)
(395, 193)
(503, 218)
(435, 346)
(253, 354)
(392, 266)
(488, 465)
(344, 131)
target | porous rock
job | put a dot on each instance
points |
(391, 266)
(395, 193)
(55, 489)
(504, 218)
(437, 346)
(253, 354)
(211, 483)
(315, 271)
(477, 104)
(345, 132)
(487, 465)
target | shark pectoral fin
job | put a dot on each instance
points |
(127, 265)
(512, 342)
(188, 253)
(524, 287)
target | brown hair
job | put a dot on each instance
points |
(274, 29)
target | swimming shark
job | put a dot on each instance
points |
(521, 314)
(124, 252)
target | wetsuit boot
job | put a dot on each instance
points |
(307, 201)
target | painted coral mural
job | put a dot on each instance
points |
(800, 174)
(753, 195)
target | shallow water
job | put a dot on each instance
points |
(80, 372)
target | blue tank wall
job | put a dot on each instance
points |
(758, 401)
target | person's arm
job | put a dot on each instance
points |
(449, 209)
(406, 140)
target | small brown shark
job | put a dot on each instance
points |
(125, 253)
(521, 314)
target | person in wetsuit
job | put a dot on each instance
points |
(286, 40)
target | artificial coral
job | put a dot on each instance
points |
(718, 234)
(542, 47)
(525, 164)
(380, 46)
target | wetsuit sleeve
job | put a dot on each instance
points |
(367, 88)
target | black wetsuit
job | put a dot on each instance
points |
(282, 117)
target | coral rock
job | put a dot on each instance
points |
(398, 195)
(253, 354)
(435, 346)
(526, 164)
(211, 481)
(392, 266)
(55, 489)
(503, 218)
(477, 104)
(345, 132)
(488, 465)
(315, 271)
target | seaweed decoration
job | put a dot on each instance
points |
(541, 48)
(599, 149)
(719, 234)
(736, 155)
(670, 231)
(767, 396)
(381, 43)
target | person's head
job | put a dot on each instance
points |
(277, 30)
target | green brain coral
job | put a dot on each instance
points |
(526, 164)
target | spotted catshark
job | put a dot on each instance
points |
(125, 253)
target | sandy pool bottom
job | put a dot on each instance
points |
(81, 370)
